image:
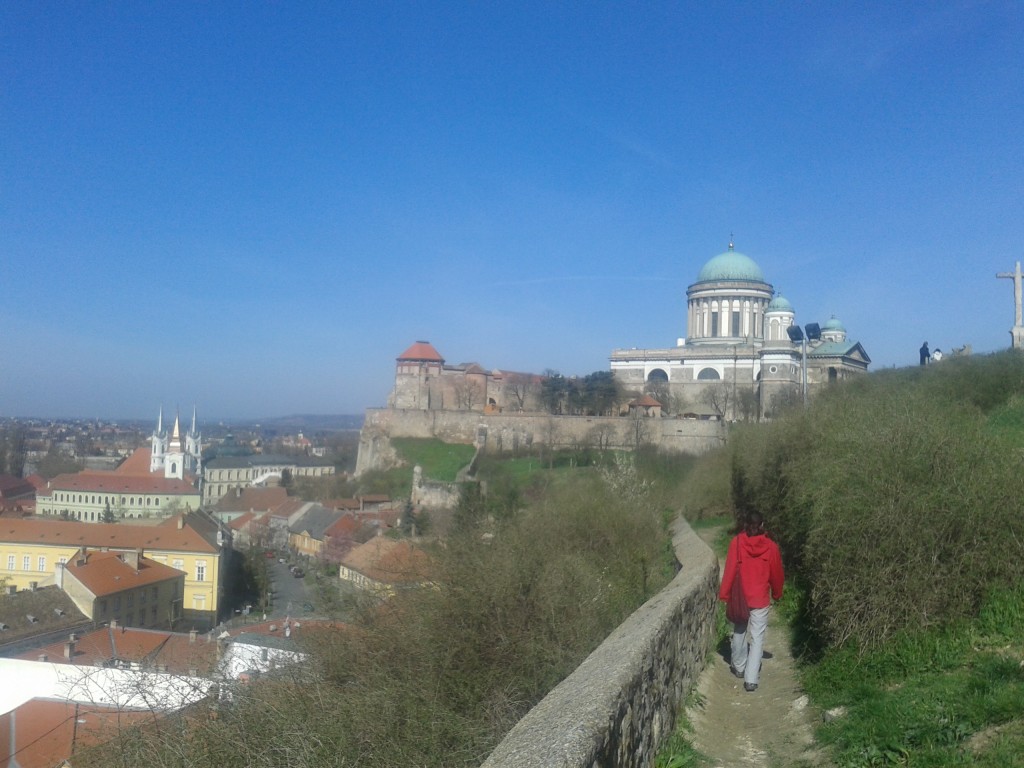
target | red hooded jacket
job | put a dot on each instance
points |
(761, 566)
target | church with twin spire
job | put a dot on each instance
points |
(174, 456)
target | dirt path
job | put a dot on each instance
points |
(770, 727)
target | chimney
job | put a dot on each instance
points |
(43, 657)
(131, 559)
(33, 585)
(69, 649)
(192, 636)
(113, 623)
(181, 522)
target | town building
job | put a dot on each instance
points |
(153, 482)
(32, 550)
(739, 357)
(382, 565)
(224, 474)
(125, 587)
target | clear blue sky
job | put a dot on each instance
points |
(255, 207)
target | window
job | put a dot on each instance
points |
(156, 594)
(200, 570)
(10, 562)
(158, 502)
(130, 601)
(62, 560)
(142, 597)
(117, 604)
(735, 323)
(179, 564)
(41, 563)
(103, 607)
(25, 562)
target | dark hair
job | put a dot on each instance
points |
(753, 523)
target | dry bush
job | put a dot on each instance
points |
(894, 505)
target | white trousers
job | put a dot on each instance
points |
(746, 658)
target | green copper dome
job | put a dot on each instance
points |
(731, 265)
(779, 304)
(833, 325)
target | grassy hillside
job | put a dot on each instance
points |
(898, 501)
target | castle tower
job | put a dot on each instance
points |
(417, 378)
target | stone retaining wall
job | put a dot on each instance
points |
(621, 704)
(521, 433)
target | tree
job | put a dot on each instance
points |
(108, 514)
(718, 396)
(746, 404)
(518, 387)
(553, 391)
(640, 428)
(468, 393)
(601, 392)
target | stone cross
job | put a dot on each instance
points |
(1017, 278)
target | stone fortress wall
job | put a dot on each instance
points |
(621, 703)
(521, 432)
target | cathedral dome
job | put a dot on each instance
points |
(833, 324)
(779, 304)
(731, 265)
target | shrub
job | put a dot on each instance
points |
(894, 502)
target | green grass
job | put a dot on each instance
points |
(944, 697)
(677, 752)
(440, 461)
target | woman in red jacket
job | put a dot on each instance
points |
(760, 565)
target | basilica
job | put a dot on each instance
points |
(744, 355)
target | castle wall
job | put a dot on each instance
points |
(620, 705)
(518, 432)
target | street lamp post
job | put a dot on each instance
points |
(796, 334)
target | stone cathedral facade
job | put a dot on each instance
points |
(738, 353)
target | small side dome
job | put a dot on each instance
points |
(833, 324)
(779, 304)
(731, 265)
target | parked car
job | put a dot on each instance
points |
(298, 573)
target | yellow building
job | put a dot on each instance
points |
(30, 550)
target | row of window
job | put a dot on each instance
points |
(26, 562)
(80, 498)
(26, 565)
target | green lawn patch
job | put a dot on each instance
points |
(440, 461)
(943, 697)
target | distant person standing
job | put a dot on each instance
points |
(757, 560)
(925, 355)
(936, 355)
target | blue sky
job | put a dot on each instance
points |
(255, 207)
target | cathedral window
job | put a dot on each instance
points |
(736, 324)
(714, 323)
(708, 374)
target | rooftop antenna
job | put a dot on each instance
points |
(730, 241)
